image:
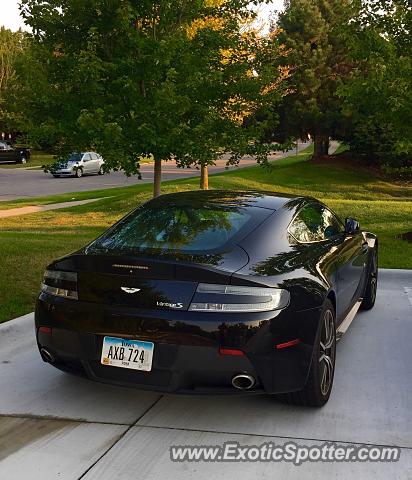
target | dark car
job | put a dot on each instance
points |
(211, 292)
(9, 154)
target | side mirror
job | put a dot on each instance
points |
(351, 226)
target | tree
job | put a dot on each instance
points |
(312, 33)
(377, 97)
(11, 46)
(237, 82)
(393, 18)
(135, 78)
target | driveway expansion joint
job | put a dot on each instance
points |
(268, 435)
(119, 438)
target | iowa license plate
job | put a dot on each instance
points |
(123, 353)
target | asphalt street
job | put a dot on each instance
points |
(54, 425)
(20, 182)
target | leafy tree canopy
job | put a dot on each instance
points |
(312, 33)
(131, 78)
(377, 98)
(12, 45)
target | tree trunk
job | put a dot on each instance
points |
(326, 144)
(321, 146)
(204, 177)
(157, 180)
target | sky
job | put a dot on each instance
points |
(10, 16)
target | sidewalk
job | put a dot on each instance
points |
(15, 212)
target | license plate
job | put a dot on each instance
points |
(123, 353)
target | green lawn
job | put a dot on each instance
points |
(29, 243)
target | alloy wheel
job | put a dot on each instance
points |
(373, 287)
(374, 278)
(327, 352)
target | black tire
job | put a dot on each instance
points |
(56, 176)
(320, 380)
(101, 171)
(78, 173)
(369, 296)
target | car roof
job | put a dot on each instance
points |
(82, 153)
(269, 200)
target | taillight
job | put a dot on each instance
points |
(60, 284)
(45, 330)
(234, 299)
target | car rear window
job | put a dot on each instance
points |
(182, 229)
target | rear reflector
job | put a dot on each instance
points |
(291, 343)
(231, 351)
(47, 330)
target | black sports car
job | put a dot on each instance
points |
(211, 292)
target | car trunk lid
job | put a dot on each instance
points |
(149, 283)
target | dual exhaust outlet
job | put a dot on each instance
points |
(243, 381)
(47, 356)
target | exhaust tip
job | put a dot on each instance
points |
(243, 381)
(46, 355)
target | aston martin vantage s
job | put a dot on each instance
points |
(211, 292)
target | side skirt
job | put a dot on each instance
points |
(344, 325)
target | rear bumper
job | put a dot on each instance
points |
(186, 355)
(175, 368)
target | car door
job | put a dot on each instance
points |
(3, 154)
(95, 162)
(6, 153)
(87, 164)
(353, 253)
(347, 255)
(12, 153)
(318, 226)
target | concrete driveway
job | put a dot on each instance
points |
(19, 182)
(53, 425)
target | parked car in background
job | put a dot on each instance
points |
(10, 154)
(77, 165)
